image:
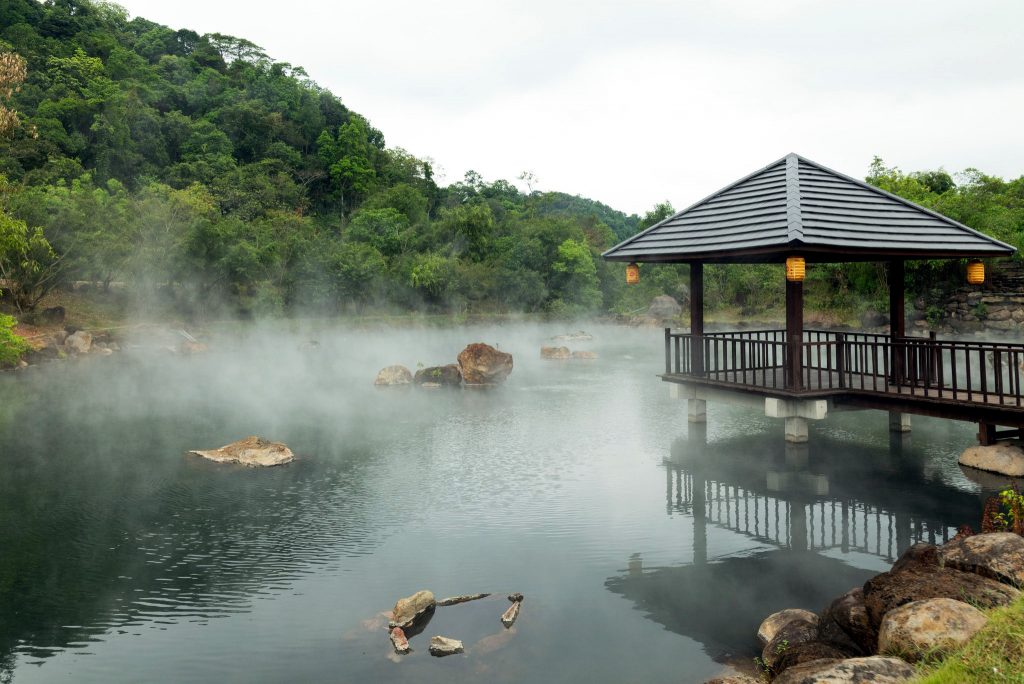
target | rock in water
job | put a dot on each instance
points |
(875, 669)
(79, 343)
(508, 618)
(931, 627)
(584, 355)
(462, 598)
(251, 451)
(438, 376)
(795, 631)
(410, 609)
(399, 641)
(443, 646)
(1003, 458)
(555, 353)
(393, 375)
(999, 555)
(776, 621)
(515, 598)
(482, 364)
(846, 625)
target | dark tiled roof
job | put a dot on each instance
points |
(795, 206)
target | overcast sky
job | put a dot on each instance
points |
(632, 103)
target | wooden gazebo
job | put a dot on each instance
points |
(795, 212)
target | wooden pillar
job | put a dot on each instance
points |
(697, 318)
(794, 334)
(897, 321)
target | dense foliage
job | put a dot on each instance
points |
(207, 178)
(206, 175)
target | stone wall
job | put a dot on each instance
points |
(996, 307)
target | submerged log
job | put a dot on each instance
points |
(463, 598)
(508, 618)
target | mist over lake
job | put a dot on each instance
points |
(643, 554)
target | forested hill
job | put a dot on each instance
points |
(199, 168)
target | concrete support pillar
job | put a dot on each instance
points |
(796, 430)
(673, 391)
(796, 412)
(899, 422)
(697, 410)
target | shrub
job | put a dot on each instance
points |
(11, 346)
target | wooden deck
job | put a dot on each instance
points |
(961, 380)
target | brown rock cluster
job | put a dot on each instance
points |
(479, 365)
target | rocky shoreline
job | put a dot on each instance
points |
(929, 603)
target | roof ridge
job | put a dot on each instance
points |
(794, 220)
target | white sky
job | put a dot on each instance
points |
(631, 103)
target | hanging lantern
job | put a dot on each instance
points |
(975, 272)
(632, 274)
(795, 269)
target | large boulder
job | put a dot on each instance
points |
(664, 307)
(482, 364)
(876, 669)
(932, 627)
(917, 554)
(393, 375)
(890, 590)
(795, 631)
(999, 555)
(845, 624)
(1003, 458)
(251, 451)
(437, 376)
(79, 342)
(771, 625)
(557, 353)
(805, 652)
(411, 609)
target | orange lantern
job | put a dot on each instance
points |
(795, 269)
(632, 274)
(975, 272)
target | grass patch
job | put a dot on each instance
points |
(995, 654)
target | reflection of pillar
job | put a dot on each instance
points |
(899, 442)
(846, 527)
(636, 565)
(902, 532)
(700, 520)
(797, 455)
(899, 422)
(668, 489)
(797, 526)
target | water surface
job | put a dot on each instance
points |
(648, 550)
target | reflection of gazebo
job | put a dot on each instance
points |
(795, 211)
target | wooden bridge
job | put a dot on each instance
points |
(796, 212)
(963, 380)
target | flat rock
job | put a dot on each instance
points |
(557, 353)
(399, 640)
(252, 451)
(845, 624)
(999, 555)
(795, 631)
(578, 336)
(771, 625)
(930, 627)
(876, 669)
(445, 376)
(584, 355)
(890, 590)
(411, 608)
(393, 375)
(735, 679)
(462, 598)
(1003, 458)
(482, 364)
(443, 646)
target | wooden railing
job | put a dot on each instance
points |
(982, 372)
